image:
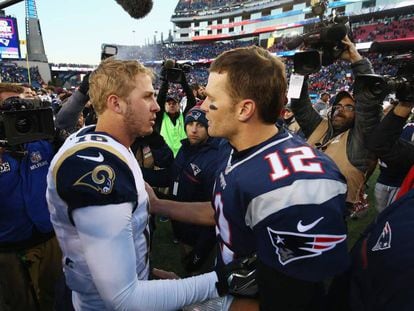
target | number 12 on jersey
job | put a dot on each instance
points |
(300, 160)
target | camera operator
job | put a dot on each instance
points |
(30, 258)
(343, 134)
(170, 120)
(395, 152)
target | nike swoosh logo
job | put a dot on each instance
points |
(303, 228)
(98, 159)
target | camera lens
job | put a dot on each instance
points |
(23, 124)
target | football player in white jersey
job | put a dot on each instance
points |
(275, 197)
(99, 207)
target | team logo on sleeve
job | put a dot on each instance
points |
(384, 240)
(291, 246)
(101, 179)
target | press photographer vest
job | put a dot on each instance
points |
(173, 134)
(336, 149)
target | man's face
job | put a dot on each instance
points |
(196, 132)
(27, 93)
(219, 107)
(141, 107)
(171, 107)
(201, 92)
(343, 114)
(325, 98)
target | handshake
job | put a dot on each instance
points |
(238, 278)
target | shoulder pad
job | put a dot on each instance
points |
(94, 175)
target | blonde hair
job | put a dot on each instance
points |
(114, 77)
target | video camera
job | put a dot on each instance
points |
(108, 50)
(172, 71)
(402, 84)
(23, 120)
(323, 43)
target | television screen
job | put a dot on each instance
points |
(9, 38)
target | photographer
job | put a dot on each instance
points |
(30, 258)
(170, 120)
(343, 134)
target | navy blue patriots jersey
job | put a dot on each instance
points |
(383, 261)
(285, 201)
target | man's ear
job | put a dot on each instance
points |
(246, 109)
(113, 103)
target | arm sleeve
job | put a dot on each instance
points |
(386, 143)
(163, 156)
(307, 117)
(368, 112)
(161, 99)
(157, 178)
(106, 233)
(68, 115)
(191, 101)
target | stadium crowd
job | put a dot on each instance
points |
(387, 29)
(284, 177)
(11, 72)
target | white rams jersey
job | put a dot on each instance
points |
(93, 169)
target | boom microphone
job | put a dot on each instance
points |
(136, 8)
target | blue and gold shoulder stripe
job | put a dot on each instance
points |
(94, 174)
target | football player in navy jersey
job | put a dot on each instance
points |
(99, 207)
(274, 196)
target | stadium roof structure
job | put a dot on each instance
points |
(7, 3)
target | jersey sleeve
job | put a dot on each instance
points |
(106, 239)
(300, 229)
(94, 176)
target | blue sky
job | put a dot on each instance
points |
(73, 30)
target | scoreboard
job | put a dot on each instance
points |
(9, 38)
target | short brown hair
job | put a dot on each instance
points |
(114, 77)
(254, 73)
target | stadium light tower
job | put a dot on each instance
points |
(35, 47)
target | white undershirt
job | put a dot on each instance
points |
(106, 237)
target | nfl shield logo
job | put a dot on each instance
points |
(35, 157)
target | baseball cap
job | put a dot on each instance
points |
(171, 98)
(341, 95)
(196, 114)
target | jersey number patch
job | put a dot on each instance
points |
(300, 159)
